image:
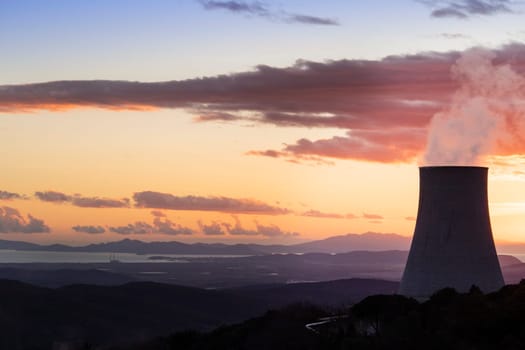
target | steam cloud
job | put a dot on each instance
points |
(486, 114)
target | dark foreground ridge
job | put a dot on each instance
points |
(448, 320)
(95, 317)
(142, 315)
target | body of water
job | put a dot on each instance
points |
(26, 256)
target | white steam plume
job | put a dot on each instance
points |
(487, 113)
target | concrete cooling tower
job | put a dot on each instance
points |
(452, 244)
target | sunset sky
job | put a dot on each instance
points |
(252, 121)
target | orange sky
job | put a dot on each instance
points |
(306, 122)
(182, 158)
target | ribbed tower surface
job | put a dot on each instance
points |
(452, 244)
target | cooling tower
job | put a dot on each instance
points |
(452, 244)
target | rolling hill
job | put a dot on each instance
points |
(34, 317)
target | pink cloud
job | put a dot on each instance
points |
(395, 145)
(385, 106)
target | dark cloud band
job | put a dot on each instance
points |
(260, 9)
(89, 229)
(158, 200)
(80, 201)
(384, 106)
(466, 8)
(5, 195)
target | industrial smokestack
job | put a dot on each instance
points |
(452, 244)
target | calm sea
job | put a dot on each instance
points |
(24, 256)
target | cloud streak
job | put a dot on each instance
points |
(89, 229)
(96, 202)
(261, 9)
(454, 36)
(6, 196)
(260, 230)
(11, 221)
(53, 196)
(319, 214)
(395, 146)
(158, 200)
(372, 216)
(137, 228)
(307, 19)
(467, 8)
(160, 225)
(322, 215)
(80, 201)
(256, 8)
(396, 93)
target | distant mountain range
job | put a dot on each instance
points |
(338, 244)
(369, 241)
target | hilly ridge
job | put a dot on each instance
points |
(370, 241)
(336, 244)
(34, 317)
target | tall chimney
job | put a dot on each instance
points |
(452, 244)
